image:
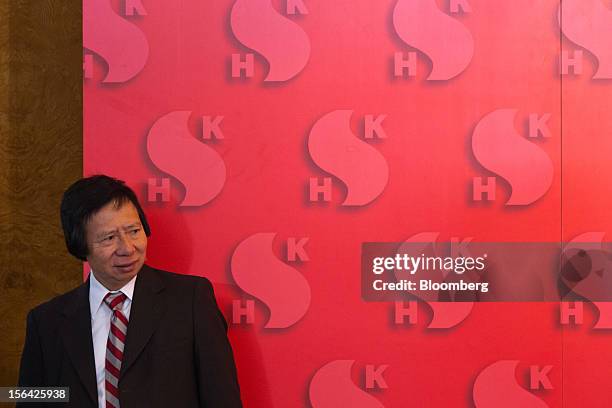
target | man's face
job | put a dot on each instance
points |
(117, 244)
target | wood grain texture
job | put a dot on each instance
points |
(40, 155)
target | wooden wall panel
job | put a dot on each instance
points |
(40, 155)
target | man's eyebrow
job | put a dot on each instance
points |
(105, 233)
(136, 224)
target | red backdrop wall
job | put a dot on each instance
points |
(268, 140)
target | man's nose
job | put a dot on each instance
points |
(124, 245)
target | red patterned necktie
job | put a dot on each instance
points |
(114, 347)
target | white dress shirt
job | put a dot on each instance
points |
(100, 325)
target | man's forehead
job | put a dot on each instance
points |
(112, 217)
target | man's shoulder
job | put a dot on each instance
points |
(186, 287)
(177, 279)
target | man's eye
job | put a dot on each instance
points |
(109, 238)
(135, 231)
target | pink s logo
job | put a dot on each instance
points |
(590, 275)
(447, 43)
(280, 287)
(445, 314)
(174, 150)
(334, 148)
(500, 149)
(588, 23)
(496, 387)
(122, 45)
(279, 40)
(332, 387)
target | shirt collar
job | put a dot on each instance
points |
(97, 292)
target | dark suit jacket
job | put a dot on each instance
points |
(176, 352)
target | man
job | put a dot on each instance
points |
(131, 335)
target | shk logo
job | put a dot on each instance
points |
(445, 315)
(174, 150)
(496, 386)
(332, 386)
(284, 44)
(336, 150)
(119, 42)
(522, 163)
(587, 272)
(258, 272)
(443, 39)
(587, 23)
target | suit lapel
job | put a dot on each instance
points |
(76, 335)
(148, 305)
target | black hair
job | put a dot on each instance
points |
(86, 197)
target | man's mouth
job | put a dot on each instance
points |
(126, 267)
